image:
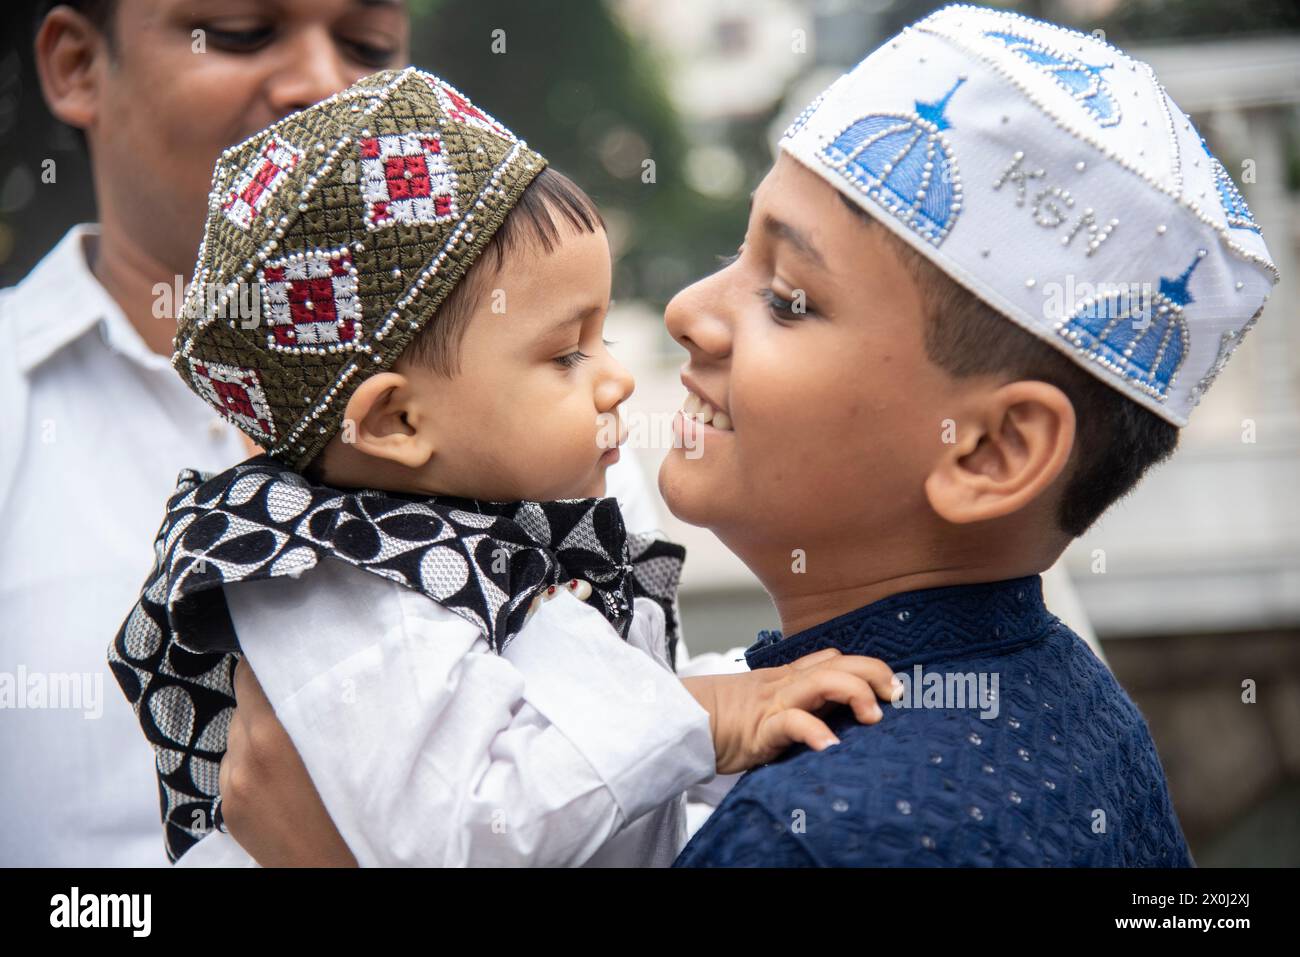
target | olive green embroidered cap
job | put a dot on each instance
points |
(332, 237)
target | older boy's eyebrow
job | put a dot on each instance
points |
(781, 230)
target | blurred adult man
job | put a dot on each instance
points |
(90, 398)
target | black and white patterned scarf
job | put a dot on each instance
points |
(175, 654)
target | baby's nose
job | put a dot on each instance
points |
(616, 388)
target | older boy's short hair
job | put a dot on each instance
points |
(1116, 440)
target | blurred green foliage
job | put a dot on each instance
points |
(592, 99)
(590, 96)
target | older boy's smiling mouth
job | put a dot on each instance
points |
(704, 410)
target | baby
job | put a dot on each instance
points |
(404, 307)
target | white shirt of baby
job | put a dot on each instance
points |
(571, 747)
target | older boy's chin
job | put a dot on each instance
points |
(688, 490)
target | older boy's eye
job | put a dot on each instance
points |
(572, 359)
(725, 261)
(787, 309)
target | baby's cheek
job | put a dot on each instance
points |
(557, 455)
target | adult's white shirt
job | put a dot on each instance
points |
(96, 427)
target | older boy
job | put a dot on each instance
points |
(1021, 269)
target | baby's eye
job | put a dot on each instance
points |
(572, 359)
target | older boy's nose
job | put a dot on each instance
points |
(696, 318)
(310, 70)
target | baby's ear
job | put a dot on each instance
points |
(383, 420)
(1012, 448)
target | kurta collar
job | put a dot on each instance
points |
(924, 625)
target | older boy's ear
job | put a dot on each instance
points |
(1011, 450)
(67, 47)
(384, 419)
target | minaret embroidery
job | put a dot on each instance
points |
(904, 163)
(1081, 80)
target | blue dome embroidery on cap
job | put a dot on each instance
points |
(903, 162)
(1141, 337)
(1081, 80)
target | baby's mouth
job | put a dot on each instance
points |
(612, 431)
(698, 409)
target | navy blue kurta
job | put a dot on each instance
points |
(1057, 769)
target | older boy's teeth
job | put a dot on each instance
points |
(702, 412)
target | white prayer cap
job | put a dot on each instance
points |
(1051, 175)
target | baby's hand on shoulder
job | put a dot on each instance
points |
(756, 715)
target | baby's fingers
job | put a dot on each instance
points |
(816, 688)
(794, 726)
(815, 659)
(872, 670)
